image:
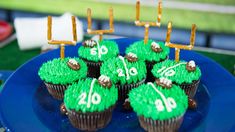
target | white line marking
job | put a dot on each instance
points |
(90, 92)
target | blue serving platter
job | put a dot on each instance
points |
(25, 104)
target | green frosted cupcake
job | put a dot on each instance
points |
(125, 72)
(152, 53)
(89, 103)
(184, 74)
(58, 73)
(94, 53)
(159, 107)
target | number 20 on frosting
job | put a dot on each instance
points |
(132, 71)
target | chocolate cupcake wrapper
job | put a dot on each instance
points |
(123, 90)
(190, 89)
(56, 90)
(93, 68)
(90, 121)
(149, 65)
(170, 125)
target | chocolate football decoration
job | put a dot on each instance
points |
(89, 43)
(164, 82)
(105, 81)
(192, 104)
(126, 105)
(131, 57)
(191, 66)
(156, 47)
(63, 109)
(73, 64)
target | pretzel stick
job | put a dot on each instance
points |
(146, 34)
(89, 21)
(147, 25)
(100, 32)
(74, 28)
(137, 10)
(62, 48)
(62, 43)
(49, 21)
(178, 47)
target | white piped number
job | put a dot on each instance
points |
(82, 98)
(93, 51)
(169, 71)
(92, 98)
(170, 101)
(120, 72)
(101, 51)
(95, 98)
(159, 105)
(132, 71)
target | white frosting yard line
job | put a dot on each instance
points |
(171, 67)
(90, 92)
(161, 69)
(168, 108)
(98, 48)
(126, 69)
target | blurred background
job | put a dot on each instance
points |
(22, 20)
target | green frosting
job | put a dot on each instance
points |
(182, 75)
(143, 101)
(56, 71)
(113, 51)
(144, 51)
(73, 99)
(112, 68)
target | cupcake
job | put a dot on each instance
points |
(184, 74)
(89, 103)
(125, 72)
(159, 106)
(94, 53)
(152, 53)
(58, 74)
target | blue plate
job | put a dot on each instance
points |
(3, 77)
(25, 104)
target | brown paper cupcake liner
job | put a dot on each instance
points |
(93, 68)
(170, 125)
(123, 90)
(190, 89)
(149, 66)
(90, 121)
(56, 90)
